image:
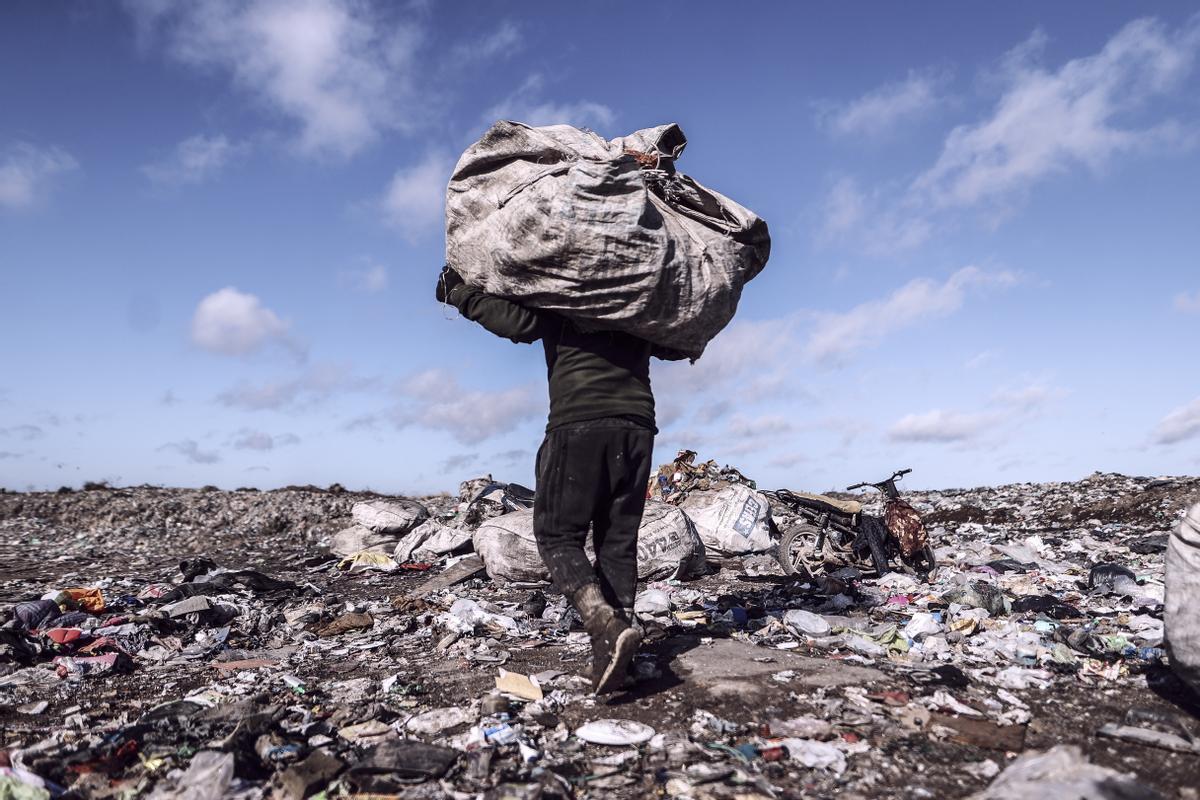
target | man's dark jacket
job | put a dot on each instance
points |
(591, 374)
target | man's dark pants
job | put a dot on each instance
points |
(593, 473)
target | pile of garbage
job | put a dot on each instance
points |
(318, 642)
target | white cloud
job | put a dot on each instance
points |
(527, 105)
(194, 160)
(26, 172)
(1050, 121)
(879, 111)
(669, 409)
(1182, 423)
(845, 208)
(371, 277)
(190, 449)
(1188, 303)
(979, 359)
(503, 41)
(744, 352)
(236, 323)
(435, 400)
(942, 426)
(414, 201)
(24, 432)
(1027, 398)
(788, 460)
(1045, 122)
(759, 363)
(316, 384)
(341, 70)
(873, 219)
(458, 462)
(511, 456)
(712, 411)
(1007, 405)
(836, 335)
(248, 439)
(766, 425)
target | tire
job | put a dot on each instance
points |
(930, 567)
(793, 538)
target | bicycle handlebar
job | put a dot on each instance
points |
(895, 476)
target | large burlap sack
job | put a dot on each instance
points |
(357, 538)
(606, 233)
(733, 521)
(389, 516)
(508, 549)
(429, 541)
(1181, 619)
(668, 545)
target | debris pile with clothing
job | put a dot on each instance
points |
(202, 643)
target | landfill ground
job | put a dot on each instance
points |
(324, 687)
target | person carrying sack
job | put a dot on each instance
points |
(593, 464)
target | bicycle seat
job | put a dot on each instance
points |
(832, 504)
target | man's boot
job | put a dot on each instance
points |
(614, 643)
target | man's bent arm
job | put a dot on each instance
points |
(502, 317)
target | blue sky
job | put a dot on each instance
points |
(220, 225)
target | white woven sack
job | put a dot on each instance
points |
(559, 219)
(356, 539)
(391, 516)
(1183, 598)
(429, 541)
(508, 549)
(733, 520)
(668, 544)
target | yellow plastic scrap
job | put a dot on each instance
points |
(152, 764)
(90, 600)
(523, 686)
(690, 617)
(366, 560)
